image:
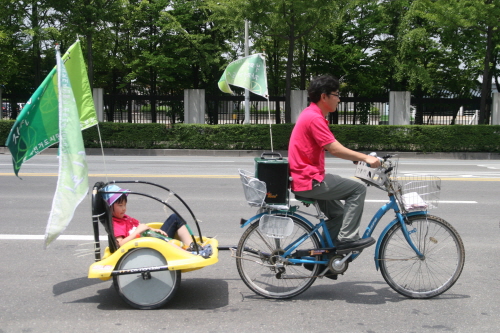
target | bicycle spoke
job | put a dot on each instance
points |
(270, 275)
(427, 277)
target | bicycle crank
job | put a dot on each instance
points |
(338, 264)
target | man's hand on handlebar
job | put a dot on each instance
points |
(372, 161)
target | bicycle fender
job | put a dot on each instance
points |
(384, 232)
(251, 220)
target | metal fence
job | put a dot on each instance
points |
(169, 109)
(231, 110)
(143, 109)
(360, 111)
(446, 111)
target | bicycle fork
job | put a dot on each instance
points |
(400, 218)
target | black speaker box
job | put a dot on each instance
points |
(272, 169)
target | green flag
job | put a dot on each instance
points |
(77, 72)
(72, 184)
(36, 128)
(248, 72)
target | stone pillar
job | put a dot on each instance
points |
(97, 94)
(194, 106)
(399, 108)
(495, 109)
(298, 101)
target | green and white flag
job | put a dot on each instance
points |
(36, 128)
(72, 184)
(248, 72)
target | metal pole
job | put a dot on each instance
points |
(247, 93)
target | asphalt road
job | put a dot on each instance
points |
(48, 290)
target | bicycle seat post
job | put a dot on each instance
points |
(320, 214)
(308, 201)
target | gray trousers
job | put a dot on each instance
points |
(343, 219)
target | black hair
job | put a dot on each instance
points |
(323, 84)
(121, 198)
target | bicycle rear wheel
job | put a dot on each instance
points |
(261, 267)
(441, 267)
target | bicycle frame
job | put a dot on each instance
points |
(326, 241)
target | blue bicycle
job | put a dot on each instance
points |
(281, 253)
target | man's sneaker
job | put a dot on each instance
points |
(346, 247)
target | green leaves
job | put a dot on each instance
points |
(424, 46)
(414, 138)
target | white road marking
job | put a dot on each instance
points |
(62, 237)
(440, 201)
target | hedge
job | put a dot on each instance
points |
(414, 138)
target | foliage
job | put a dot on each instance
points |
(159, 47)
(124, 135)
(5, 126)
(428, 138)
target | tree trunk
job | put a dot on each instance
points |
(90, 62)
(486, 85)
(289, 67)
(303, 67)
(36, 44)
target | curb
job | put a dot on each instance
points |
(256, 153)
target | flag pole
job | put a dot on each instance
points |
(270, 127)
(269, 112)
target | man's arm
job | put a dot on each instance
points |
(338, 150)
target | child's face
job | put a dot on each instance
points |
(119, 209)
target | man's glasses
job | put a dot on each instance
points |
(334, 94)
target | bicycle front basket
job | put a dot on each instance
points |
(419, 192)
(375, 177)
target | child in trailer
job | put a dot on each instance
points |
(127, 228)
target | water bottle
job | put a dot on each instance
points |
(151, 233)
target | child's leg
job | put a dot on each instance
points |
(184, 235)
(171, 225)
(174, 224)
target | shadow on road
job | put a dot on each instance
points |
(355, 292)
(194, 294)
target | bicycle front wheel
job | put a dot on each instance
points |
(264, 270)
(441, 266)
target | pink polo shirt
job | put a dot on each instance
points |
(123, 227)
(306, 152)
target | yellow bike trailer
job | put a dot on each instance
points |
(146, 271)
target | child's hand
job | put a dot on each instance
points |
(160, 232)
(141, 228)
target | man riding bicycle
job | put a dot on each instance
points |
(310, 138)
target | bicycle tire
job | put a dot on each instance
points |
(147, 294)
(256, 250)
(444, 258)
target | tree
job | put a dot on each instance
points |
(85, 18)
(282, 19)
(469, 28)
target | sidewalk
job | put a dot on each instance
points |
(255, 153)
